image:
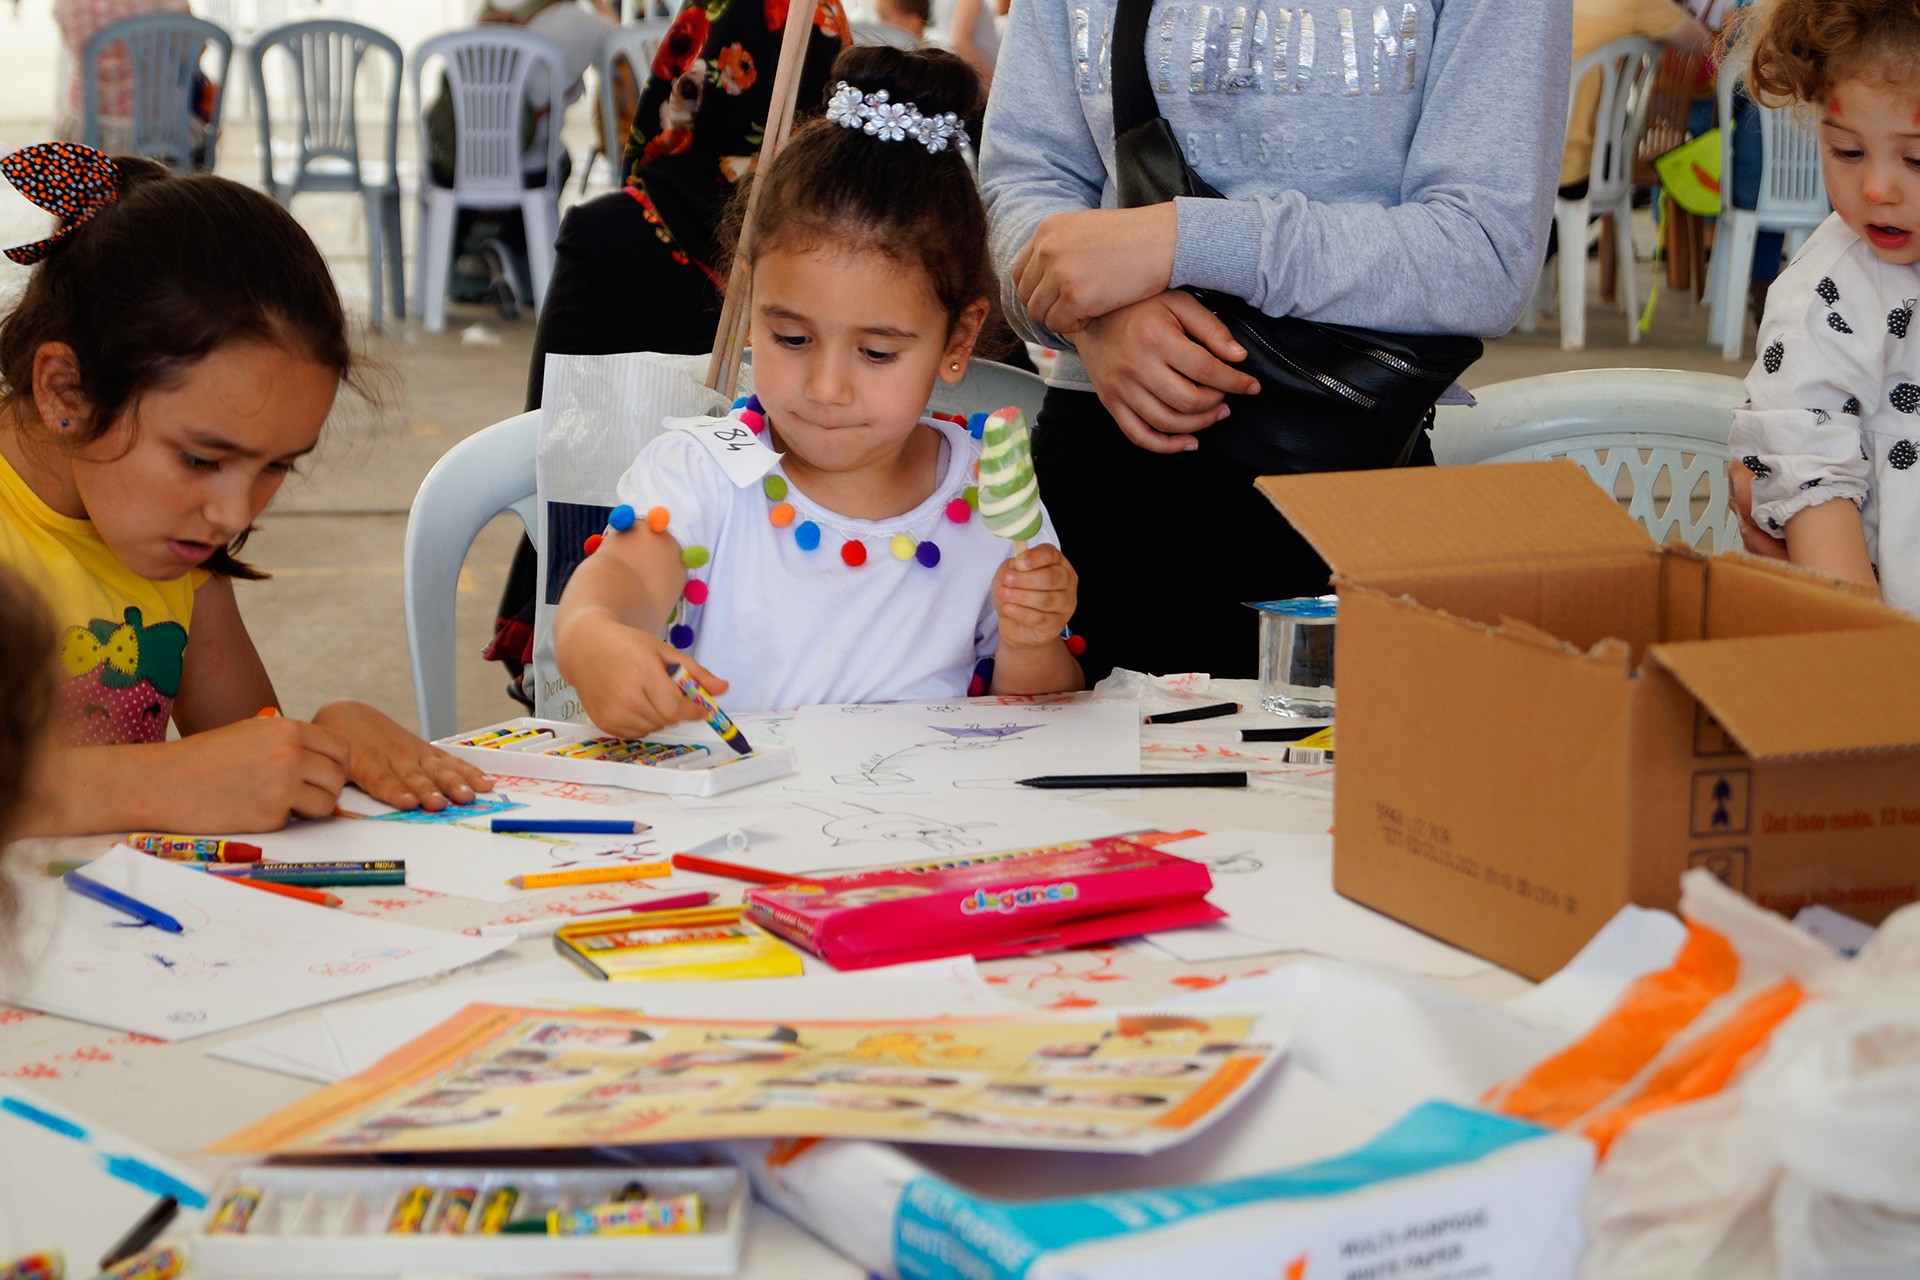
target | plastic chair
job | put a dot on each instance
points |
(327, 59)
(989, 386)
(1793, 199)
(1626, 69)
(487, 72)
(1682, 234)
(165, 50)
(635, 45)
(1661, 432)
(484, 475)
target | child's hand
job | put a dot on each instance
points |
(621, 676)
(394, 766)
(1035, 597)
(253, 775)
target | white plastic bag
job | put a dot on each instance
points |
(597, 413)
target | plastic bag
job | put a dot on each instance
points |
(1690, 173)
(597, 414)
(1761, 1094)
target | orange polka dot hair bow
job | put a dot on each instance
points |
(68, 180)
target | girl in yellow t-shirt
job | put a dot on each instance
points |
(175, 353)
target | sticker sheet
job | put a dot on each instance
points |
(496, 1076)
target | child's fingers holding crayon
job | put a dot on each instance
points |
(252, 775)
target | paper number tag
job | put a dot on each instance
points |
(744, 456)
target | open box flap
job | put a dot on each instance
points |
(1825, 693)
(1367, 523)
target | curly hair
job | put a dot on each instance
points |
(1798, 50)
(26, 654)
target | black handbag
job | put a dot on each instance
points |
(1332, 397)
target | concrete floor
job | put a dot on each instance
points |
(329, 621)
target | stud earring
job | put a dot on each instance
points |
(64, 424)
(955, 366)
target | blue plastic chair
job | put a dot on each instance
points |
(165, 50)
(327, 58)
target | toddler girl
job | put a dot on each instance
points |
(174, 355)
(837, 555)
(1830, 430)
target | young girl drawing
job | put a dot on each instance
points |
(835, 557)
(1830, 430)
(174, 355)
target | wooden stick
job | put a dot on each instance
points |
(723, 371)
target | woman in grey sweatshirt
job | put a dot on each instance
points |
(1387, 165)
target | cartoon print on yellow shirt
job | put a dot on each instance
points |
(120, 680)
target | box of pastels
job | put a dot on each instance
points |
(677, 763)
(383, 1220)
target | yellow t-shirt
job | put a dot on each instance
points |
(1596, 22)
(123, 639)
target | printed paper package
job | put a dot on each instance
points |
(989, 905)
(1445, 1193)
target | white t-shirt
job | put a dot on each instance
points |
(1833, 405)
(788, 627)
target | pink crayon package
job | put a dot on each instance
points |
(988, 905)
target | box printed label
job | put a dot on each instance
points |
(1722, 803)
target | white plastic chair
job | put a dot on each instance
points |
(165, 50)
(1627, 68)
(327, 59)
(635, 44)
(990, 385)
(1793, 199)
(489, 472)
(1643, 426)
(487, 70)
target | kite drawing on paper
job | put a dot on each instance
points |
(933, 748)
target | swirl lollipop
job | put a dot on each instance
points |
(1009, 494)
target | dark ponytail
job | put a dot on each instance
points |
(839, 186)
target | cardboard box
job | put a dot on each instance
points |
(1543, 717)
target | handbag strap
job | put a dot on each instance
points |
(1133, 100)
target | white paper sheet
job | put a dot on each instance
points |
(342, 1041)
(67, 1184)
(908, 748)
(463, 858)
(1278, 894)
(830, 833)
(245, 955)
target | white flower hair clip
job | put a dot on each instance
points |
(877, 115)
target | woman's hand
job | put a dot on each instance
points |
(1083, 265)
(1756, 540)
(621, 676)
(1160, 368)
(1035, 596)
(396, 767)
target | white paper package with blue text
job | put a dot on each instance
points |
(1444, 1193)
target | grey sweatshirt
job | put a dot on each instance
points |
(1390, 165)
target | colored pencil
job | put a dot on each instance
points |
(1194, 713)
(121, 902)
(549, 924)
(732, 870)
(300, 892)
(1070, 781)
(581, 826)
(1292, 733)
(591, 875)
(142, 1233)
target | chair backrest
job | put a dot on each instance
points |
(1626, 68)
(1792, 192)
(490, 472)
(1666, 124)
(634, 44)
(488, 70)
(989, 386)
(328, 57)
(164, 52)
(1655, 438)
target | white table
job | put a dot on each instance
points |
(174, 1099)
